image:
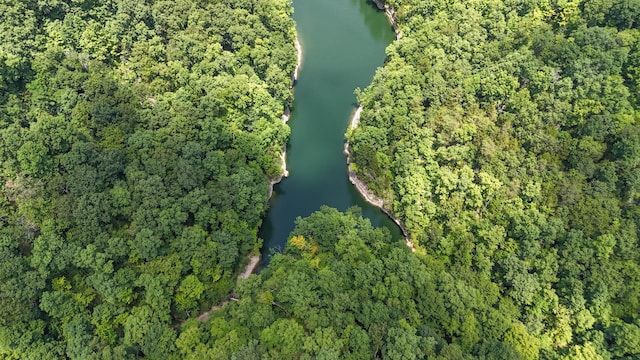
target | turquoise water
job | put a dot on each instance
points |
(343, 42)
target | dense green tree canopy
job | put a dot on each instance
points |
(343, 290)
(504, 135)
(137, 140)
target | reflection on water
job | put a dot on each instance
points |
(343, 43)
(373, 23)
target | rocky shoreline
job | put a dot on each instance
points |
(285, 118)
(362, 187)
(390, 12)
(254, 260)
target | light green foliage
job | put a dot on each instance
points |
(189, 292)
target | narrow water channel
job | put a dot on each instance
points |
(343, 42)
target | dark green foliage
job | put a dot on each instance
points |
(137, 141)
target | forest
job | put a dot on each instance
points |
(505, 135)
(138, 140)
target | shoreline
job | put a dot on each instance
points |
(363, 188)
(254, 260)
(389, 12)
(360, 185)
(285, 118)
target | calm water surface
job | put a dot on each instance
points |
(343, 43)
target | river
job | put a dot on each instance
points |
(343, 42)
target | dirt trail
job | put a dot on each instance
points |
(248, 270)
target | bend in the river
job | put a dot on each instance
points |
(343, 43)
